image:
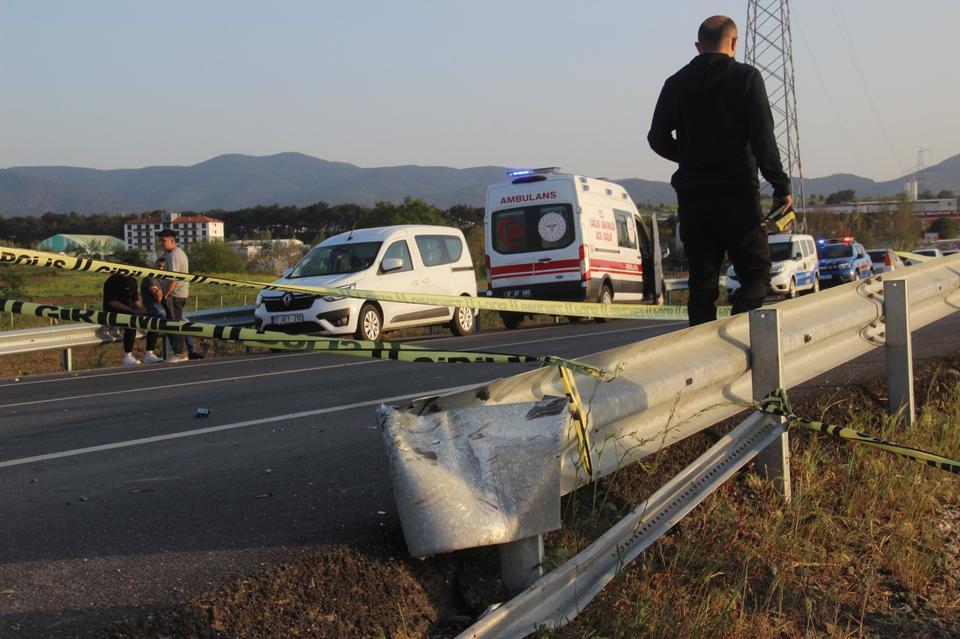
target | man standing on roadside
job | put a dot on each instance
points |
(719, 110)
(174, 292)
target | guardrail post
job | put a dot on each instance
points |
(67, 359)
(767, 373)
(899, 351)
(521, 563)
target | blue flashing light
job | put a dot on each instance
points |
(515, 173)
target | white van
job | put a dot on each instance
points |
(404, 259)
(555, 236)
(794, 266)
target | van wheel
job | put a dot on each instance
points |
(510, 319)
(462, 322)
(369, 324)
(792, 291)
(816, 284)
(606, 297)
(573, 319)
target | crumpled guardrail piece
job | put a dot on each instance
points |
(464, 478)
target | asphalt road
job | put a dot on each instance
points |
(115, 497)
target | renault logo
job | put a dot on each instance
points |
(287, 299)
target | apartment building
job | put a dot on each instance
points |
(142, 233)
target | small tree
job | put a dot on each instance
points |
(272, 259)
(214, 257)
(904, 226)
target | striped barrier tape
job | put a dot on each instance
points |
(777, 403)
(271, 339)
(27, 257)
(579, 416)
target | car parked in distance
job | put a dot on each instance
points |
(793, 266)
(884, 260)
(842, 262)
(408, 258)
(928, 251)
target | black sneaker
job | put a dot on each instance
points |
(196, 355)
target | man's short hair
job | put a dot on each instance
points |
(168, 233)
(715, 30)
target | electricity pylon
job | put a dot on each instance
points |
(769, 48)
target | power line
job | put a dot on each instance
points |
(851, 50)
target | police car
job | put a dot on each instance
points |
(843, 260)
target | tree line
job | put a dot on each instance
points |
(309, 224)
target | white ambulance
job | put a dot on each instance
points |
(556, 236)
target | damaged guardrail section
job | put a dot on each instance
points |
(666, 389)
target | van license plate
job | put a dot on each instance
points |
(524, 292)
(293, 318)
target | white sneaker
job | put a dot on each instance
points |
(130, 360)
(174, 358)
(151, 358)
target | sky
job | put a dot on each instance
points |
(116, 84)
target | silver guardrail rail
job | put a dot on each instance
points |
(69, 335)
(666, 388)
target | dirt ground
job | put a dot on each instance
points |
(345, 592)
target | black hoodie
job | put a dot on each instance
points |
(724, 130)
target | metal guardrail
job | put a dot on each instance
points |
(666, 388)
(69, 336)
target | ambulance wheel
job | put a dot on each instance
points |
(606, 297)
(462, 323)
(369, 323)
(792, 289)
(573, 319)
(510, 319)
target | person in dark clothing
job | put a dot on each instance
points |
(151, 293)
(120, 296)
(713, 118)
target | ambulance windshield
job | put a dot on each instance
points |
(532, 228)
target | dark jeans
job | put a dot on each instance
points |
(731, 227)
(175, 307)
(129, 337)
(154, 310)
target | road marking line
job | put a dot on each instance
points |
(297, 370)
(215, 429)
(193, 383)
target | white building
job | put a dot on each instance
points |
(142, 234)
(942, 207)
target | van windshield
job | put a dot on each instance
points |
(337, 259)
(532, 228)
(783, 251)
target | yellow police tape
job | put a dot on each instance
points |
(777, 403)
(914, 257)
(26, 257)
(579, 419)
(271, 339)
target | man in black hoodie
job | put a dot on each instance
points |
(719, 110)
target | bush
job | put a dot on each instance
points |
(13, 281)
(214, 257)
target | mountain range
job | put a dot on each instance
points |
(237, 181)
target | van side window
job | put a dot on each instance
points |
(643, 236)
(625, 225)
(399, 250)
(439, 249)
(533, 228)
